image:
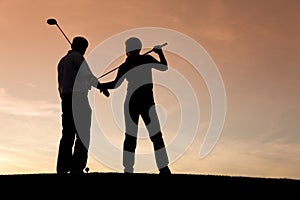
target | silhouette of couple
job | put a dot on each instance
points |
(75, 79)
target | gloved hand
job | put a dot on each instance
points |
(103, 89)
(105, 92)
(157, 49)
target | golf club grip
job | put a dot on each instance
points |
(162, 45)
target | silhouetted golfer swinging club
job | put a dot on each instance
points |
(53, 21)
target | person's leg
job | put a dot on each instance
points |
(129, 147)
(130, 141)
(161, 156)
(150, 118)
(80, 157)
(66, 143)
(82, 118)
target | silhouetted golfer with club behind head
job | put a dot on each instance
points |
(75, 79)
(137, 70)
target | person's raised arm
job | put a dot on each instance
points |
(162, 59)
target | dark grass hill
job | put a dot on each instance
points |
(145, 186)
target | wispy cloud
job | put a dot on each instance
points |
(15, 106)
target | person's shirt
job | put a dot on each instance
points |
(74, 74)
(137, 71)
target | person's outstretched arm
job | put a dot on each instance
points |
(95, 83)
(116, 82)
(91, 79)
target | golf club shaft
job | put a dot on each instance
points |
(162, 45)
(63, 33)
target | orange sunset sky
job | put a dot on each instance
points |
(254, 44)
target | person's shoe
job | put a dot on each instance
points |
(165, 170)
(128, 170)
(76, 172)
(62, 171)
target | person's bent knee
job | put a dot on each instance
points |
(130, 143)
(157, 141)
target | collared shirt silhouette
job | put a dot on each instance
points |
(75, 79)
(139, 101)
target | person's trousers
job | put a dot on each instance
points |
(135, 107)
(75, 138)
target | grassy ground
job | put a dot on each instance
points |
(119, 185)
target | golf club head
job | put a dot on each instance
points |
(51, 21)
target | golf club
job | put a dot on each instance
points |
(162, 45)
(53, 21)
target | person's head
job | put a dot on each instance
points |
(133, 45)
(79, 44)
